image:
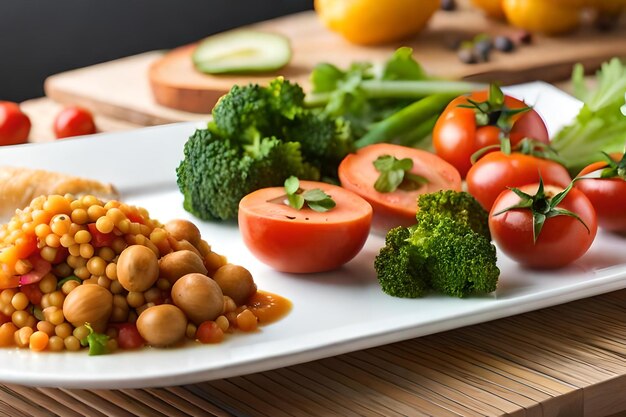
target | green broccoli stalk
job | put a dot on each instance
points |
(397, 102)
(448, 250)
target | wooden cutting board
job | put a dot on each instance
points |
(121, 88)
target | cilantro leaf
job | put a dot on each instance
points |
(394, 174)
(315, 198)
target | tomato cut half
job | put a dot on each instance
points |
(398, 208)
(304, 241)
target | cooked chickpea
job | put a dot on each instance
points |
(176, 264)
(137, 268)
(199, 297)
(184, 230)
(162, 325)
(235, 282)
(88, 304)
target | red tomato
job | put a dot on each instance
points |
(398, 208)
(608, 196)
(33, 293)
(304, 241)
(209, 332)
(99, 239)
(496, 171)
(456, 137)
(128, 336)
(14, 124)
(562, 240)
(74, 121)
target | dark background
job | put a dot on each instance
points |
(39, 38)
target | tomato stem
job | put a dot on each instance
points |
(542, 206)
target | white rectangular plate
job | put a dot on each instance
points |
(333, 313)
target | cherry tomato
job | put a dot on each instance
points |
(14, 124)
(303, 241)
(209, 332)
(608, 196)
(74, 121)
(562, 240)
(456, 136)
(128, 336)
(496, 171)
(397, 208)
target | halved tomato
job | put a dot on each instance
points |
(304, 241)
(357, 173)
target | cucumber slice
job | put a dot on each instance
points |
(242, 51)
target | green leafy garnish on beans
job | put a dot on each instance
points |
(69, 278)
(394, 174)
(315, 198)
(97, 342)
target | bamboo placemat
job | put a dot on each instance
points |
(568, 360)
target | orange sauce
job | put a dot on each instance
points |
(268, 307)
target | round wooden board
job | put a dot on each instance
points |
(176, 84)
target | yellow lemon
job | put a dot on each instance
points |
(544, 16)
(371, 22)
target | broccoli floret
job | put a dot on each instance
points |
(250, 112)
(458, 261)
(325, 140)
(460, 206)
(399, 266)
(216, 173)
(447, 250)
(259, 136)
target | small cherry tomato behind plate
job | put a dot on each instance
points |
(14, 124)
(74, 121)
(303, 241)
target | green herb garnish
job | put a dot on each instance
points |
(315, 198)
(69, 278)
(97, 342)
(394, 174)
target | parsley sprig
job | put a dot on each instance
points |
(314, 198)
(395, 173)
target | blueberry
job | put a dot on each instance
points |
(503, 43)
(483, 48)
(448, 5)
(467, 55)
